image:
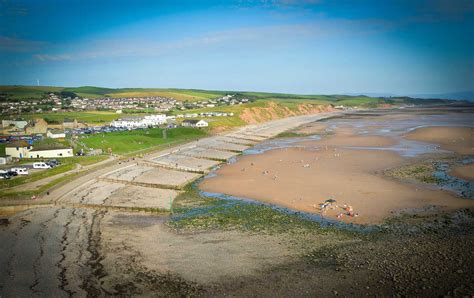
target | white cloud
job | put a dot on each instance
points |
(11, 44)
(249, 37)
(61, 57)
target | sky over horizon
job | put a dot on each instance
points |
(290, 46)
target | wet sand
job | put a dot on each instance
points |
(302, 180)
(465, 172)
(347, 137)
(340, 167)
(457, 139)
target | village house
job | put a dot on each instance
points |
(21, 149)
(37, 126)
(18, 149)
(194, 123)
(56, 134)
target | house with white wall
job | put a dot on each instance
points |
(194, 123)
(50, 153)
(139, 122)
(18, 149)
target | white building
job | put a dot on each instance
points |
(16, 123)
(139, 122)
(194, 123)
(154, 120)
(56, 134)
(22, 149)
(51, 153)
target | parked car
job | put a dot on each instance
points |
(4, 176)
(53, 163)
(12, 173)
(19, 171)
(41, 165)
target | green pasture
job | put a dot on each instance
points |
(136, 140)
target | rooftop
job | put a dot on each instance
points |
(15, 144)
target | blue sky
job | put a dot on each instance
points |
(293, 46)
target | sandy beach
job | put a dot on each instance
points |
(334, 169)
(465, 172)
(457, 139)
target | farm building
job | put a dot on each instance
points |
(37, 126)
(194, 123)
(56, 134)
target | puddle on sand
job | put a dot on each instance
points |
(279, 143)
(460, 186)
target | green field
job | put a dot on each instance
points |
(90, 117)
(136, 140)
(34, 92)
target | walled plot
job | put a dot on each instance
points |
(129, 173)
(151, 177)
(95, 193)
(209, 153)
(185, 163)
(236, 140)
(103, 193)
(227, 146)
(142, 197)
(247, 137)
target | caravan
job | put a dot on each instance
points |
(41, 165)
(20, 171)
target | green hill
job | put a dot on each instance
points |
(36, 92)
